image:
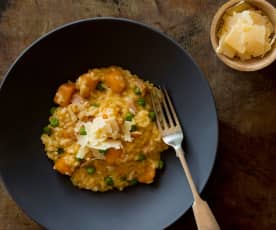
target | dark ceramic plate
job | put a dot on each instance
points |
(26, 96)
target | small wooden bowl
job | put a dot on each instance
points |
(254, 63)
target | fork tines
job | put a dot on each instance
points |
(166, 117)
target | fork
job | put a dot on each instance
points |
(171, 132)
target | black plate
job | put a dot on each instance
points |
(26, 96)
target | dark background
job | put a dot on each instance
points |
(242, 188)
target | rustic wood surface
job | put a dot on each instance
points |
(242, 188)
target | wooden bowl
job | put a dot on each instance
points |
(254, 63)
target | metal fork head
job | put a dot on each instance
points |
(166, 118)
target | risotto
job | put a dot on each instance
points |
(103, 133)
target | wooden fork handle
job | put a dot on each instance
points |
(204, 217)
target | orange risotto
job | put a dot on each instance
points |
(102, 133)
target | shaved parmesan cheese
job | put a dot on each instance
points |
(82, 152)
(245, 34)
(235, 39)
(126, 131)
(102, 133)
(254, 44)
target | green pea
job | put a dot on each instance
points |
(129, 116)
(82, 131)
(47, 130)
(133, 128)
(60, 150)
(95, 105)
(133, 182)
(109, 181)
(161, 164)
(54, 122)
(137, 90)
(141, 101)
(91, 170)
(52, 110)
(152, 115)
(141, 157)
(103, 151)
(100, 86)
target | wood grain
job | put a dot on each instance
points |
(242, 188)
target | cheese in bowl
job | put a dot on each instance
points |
(103, 133)
(245, 32)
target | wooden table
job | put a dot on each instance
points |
(242, 188)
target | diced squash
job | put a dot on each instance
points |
(115, 80)
(86, 83)
(113, 155)
(65, 164)
(64, 94)
(147, 176)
